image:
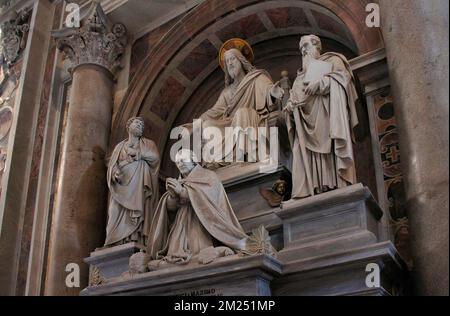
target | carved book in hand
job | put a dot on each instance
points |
(316, 70)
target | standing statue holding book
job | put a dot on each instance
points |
(133, 185)
(320, 119)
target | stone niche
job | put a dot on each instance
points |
(326, 242)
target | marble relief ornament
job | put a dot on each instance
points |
(95, 278)
(97, 41)
(14, 36)
(259, 243)
(275, 195)
(6, 4)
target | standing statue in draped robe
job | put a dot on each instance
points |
(205, 226)
(320, 118)
(133, 184)
(245, 101)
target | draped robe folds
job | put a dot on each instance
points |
(246, 107)
(321, 132)
(207, 216)
(132, 201)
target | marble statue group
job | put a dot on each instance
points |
(193, 219)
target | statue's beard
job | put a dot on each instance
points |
(234, 72)
(310, 55)
(136, 132)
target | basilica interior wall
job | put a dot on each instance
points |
(183, 83)
(187, 82)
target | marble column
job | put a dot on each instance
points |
(416, 39)
(79, 216)
(22, 132)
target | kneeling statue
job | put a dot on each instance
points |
(205, 226)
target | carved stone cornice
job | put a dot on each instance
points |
(97, 41)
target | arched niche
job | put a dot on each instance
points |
(179, 77)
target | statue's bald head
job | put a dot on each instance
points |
(310, 45)
(186, 160)
(186, 155)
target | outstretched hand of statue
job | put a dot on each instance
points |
(276, 91)
(290, 106)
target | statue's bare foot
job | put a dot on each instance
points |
(210, 254)
(154, 265)
(158, 265)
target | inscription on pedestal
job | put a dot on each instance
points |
(201, 292)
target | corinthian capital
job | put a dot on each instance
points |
(96, 41)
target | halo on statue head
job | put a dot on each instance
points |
(239, 44)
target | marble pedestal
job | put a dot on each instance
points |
(331, 222)
(345, 274)
(112, 262)
(242, 182)
(242, 276)
(328, 245)
(330, 240)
